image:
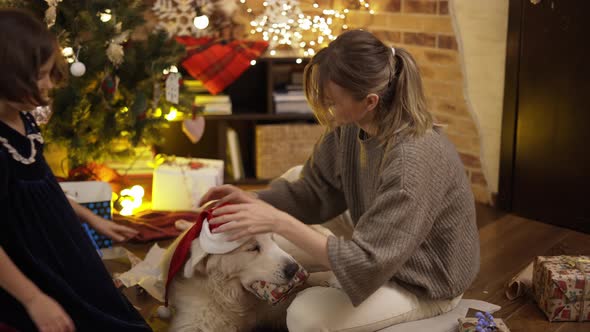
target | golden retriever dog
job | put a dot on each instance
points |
(212, 292)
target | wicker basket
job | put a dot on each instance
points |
(280, 147)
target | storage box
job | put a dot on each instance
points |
(179, 184)
(97, 197)
(280, 147)
(561, 286)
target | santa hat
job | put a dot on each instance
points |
(208, 243)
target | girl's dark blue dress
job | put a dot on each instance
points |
(42, 235)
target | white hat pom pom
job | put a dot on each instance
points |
(164, 312)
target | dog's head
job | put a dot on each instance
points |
(259, 258)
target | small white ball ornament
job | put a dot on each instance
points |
(77, 69)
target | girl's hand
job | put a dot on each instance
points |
(255, 217)
(118, 233)
(48, 315)
(227, 194)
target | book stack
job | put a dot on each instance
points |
(194, 86)
(290, 98)
(215, 105)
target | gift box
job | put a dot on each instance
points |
(97, 197)
(469, 324)
(561, 286)
(179, 183)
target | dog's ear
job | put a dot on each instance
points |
(197, 260)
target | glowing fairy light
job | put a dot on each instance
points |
(172, 114)
(131, 199)
(105, 16)
(201, 22)
(282, 23)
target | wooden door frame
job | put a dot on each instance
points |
(510, 108)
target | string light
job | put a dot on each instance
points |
(131, 199)
(171, 69)
(201, 22)
(105, 16)
(172, 114)
(68, 53)
(284, 24)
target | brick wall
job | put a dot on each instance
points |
(425, 28)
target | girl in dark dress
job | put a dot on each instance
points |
(51, 278)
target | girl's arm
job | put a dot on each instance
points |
(45, 312)
(15, 282)
(114, 231)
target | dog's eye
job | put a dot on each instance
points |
(255, 248)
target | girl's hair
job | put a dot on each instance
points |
(26, 45)
(362, 64)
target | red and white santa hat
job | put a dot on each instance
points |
(208, 243)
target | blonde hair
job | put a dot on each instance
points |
(361, 64)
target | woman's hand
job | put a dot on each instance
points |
(118, 233)
(227, 194)
(48, 315)
(254, 217)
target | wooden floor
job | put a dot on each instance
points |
(508, 244)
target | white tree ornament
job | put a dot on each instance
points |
(176, 17)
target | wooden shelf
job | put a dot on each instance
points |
(253, 104)
(260, 116)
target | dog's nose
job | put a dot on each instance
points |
(290, 269)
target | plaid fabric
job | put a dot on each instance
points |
(219, 64)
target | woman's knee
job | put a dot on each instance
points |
(313, 308)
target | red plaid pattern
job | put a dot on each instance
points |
(217, 64)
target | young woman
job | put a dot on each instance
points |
(415, 246)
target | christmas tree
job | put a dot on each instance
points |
(114, 98)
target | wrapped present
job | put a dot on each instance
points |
(179, 183)
(561, 286)
(469, 324)
(96, 196)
